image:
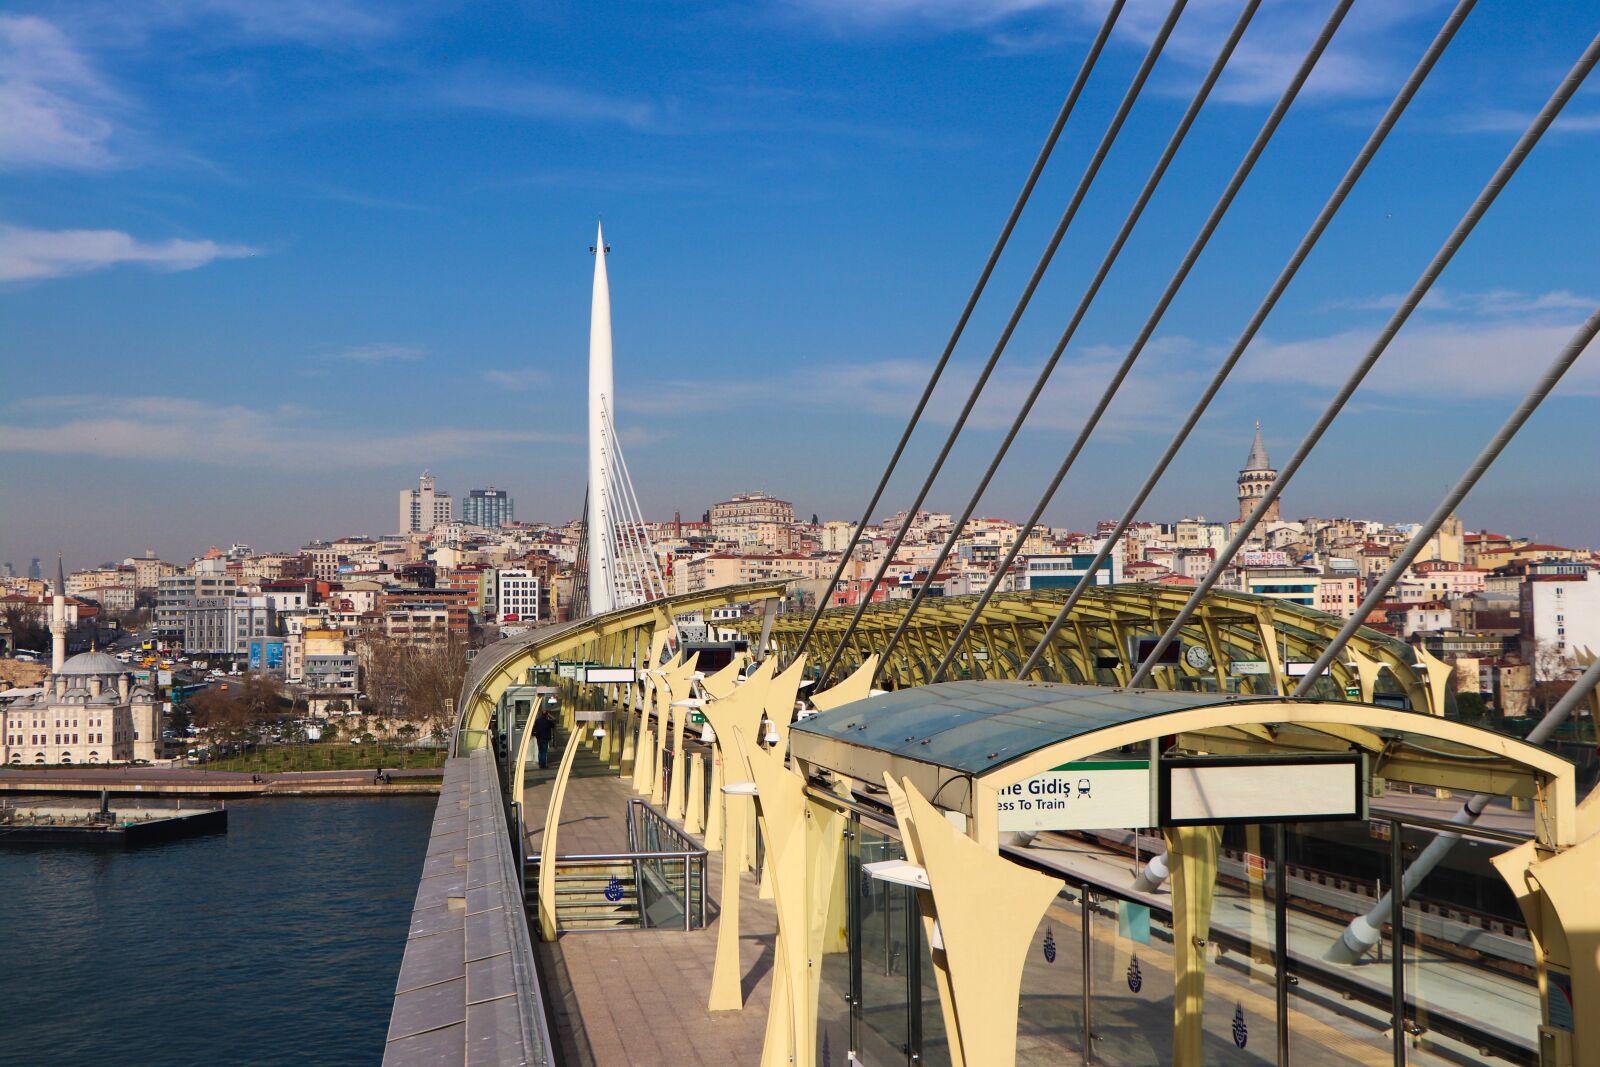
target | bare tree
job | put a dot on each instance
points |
(410, 682)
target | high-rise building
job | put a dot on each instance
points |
(489, 507)
(1254, 480)
(423, 508)
(35, 572)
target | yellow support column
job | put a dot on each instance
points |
(780, 798)
(856, 687)
(547, 844)
(680, 764)
(625, 759)
(780, 700)
(727, 988)
(1192, 857)
(642, 749)
(1367, 670)
(720, 684)
(694, 818)
(1436, 677)
(741, 708)
(714, 822)
(986, 909)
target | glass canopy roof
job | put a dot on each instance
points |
(975, 727)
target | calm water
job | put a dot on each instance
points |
(277, 943)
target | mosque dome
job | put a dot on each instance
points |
(90, 663)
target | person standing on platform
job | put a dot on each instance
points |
(544, 727)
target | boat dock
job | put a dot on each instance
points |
(34, 825)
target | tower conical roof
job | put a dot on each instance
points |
(1258, 460)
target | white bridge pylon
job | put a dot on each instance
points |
(622, 567)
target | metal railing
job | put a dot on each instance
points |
(668, 878)
(657, 842)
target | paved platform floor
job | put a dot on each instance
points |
(638, 998)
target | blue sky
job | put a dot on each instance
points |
(261, 261)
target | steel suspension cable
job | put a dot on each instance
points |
(1491, 452)
(1224, 202)
(1503, 174)
(1335, 201)
(1089, 60)
(1090, 171)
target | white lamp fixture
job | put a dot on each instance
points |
(740, 789)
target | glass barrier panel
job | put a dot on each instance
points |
(933, 1040)
(1241, 1011)
(1130, 987)
(835, 983)
(1050, 1010)
(884, 912)
(1339, 1012)
(1471, 986)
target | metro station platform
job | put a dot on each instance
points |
(639, 996)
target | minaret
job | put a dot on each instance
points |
(1258, 474)
(58, 621)
(602, 563)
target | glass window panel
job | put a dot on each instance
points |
(1338, 1013)
(1130, 985)
(883, 910)
(1050, 1011)
(1468, 961)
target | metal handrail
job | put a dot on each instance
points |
(613, 857)
(672, 828)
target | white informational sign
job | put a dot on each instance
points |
(1089, 795)
(568, 670)
(610, 675)
(1227, 789)
(1248, 666)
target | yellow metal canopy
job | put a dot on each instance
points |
(1244, 642)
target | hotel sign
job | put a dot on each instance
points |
(1087, 795)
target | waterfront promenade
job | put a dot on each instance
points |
(197, 782)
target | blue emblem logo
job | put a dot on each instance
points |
(614, 889)
(1135, 976)
(1049, 945)
(1241, 1032)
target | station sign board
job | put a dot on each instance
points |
(1216, 790)
(610, 675)
(1086, 795)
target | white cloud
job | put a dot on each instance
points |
(1492, 302)
(382, 353)
(1508, 120)
(286, 437)
(1356, 64)
(54, 107)
(888, 388)
(521, 378)
(530, 98)
(1431, 362)
(28, 254)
